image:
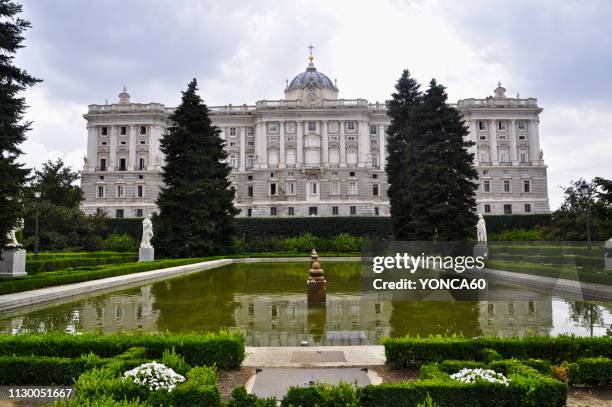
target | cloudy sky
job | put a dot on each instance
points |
(241, 51)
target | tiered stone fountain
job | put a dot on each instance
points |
(316, 281)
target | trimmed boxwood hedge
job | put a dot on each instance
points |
(372, 226)
(224, 349)
(412, 351)
(57, 263)
(590, 371)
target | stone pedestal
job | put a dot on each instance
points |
(481, 250)
(13, 263)
(146, 254)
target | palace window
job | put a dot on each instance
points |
(334, 210)
(523, 158)
(334, 188)
(120, 191)
(291, 211)
(312, 126)
(312, 185)
(353, 210)
(507, 209)
(352, 188)
(102, 164)
(521, 137)
(501, 125)
(312, 211)
(143, 142)
(101, 191)
(522, 125)
(141, 163)
(104, 131)
(123, 143)
(249, 191)
(232, 161)
(373, 129)
(139, 213)
(350, 125)
(273, 189)
(250, 131)
(526, 185)
(250, 161)
(487, 208)
(375, 161)
(290, 188)
(273, 211)
(122, 164)
(351, 138)
(351, 173)
(527, 208)
(119, 213)
(143, 129)
(123, 130)
(507, 186)
(375, 189)
(249, 212)
(482, 125)
(273, 127)
(140, 191)
(376, 211)
(232, 131)
(486, 186)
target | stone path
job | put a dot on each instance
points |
(315, 356)
(274, 382)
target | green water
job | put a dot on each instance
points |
(268, 302)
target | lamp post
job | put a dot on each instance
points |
(37, 241)
(584, 192)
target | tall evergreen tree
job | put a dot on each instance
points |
(196, 202)
(430, 169)
(55, 181)
(13, 80)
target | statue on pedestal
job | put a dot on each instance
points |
(147, 232)
(481, 230)
(13, 259)
(146, 251)
(608, 254)
(11, 236)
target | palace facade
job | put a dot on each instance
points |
(309, 154)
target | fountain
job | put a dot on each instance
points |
(316, 280)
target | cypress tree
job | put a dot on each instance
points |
(196, 201)
(13, 80)
(434, 195)
(400, 134)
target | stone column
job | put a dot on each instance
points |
(324, 144)
(261, 146)
(242, 148)
(154, 136)
(281, 143)
(299, 159)
(131, 147)
(363, 143)
(493, 143)
(92, 148)
(342, 145)
(513, 151)
(382, 146)
(534, 142)
(112, 149)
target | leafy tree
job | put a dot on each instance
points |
(196, 201)
(56, 183)
(13, 80)
(569, 221)
(430, 169)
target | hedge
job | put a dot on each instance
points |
(34, 265)
(590, 371)
(224, 349)
(371, 226)
(76, 275)
(410, 351)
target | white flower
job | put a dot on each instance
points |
(154, 376)
(466, 375)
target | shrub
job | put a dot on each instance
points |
(120, 243)
(43, 370)
(240, 398)
(590, 371)
(48, 263)
(224, 349)
(403, 352)
(516, 235)
(347, 243)
(175, 361)
(322, 395)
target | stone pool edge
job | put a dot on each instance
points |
(10, 302)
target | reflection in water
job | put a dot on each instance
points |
(268, 302)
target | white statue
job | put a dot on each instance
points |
(147, 232)
(481, 229)
(12, 235)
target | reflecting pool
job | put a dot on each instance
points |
(268, 302)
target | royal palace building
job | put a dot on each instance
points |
(309, 154)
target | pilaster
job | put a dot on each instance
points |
(493, 142)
